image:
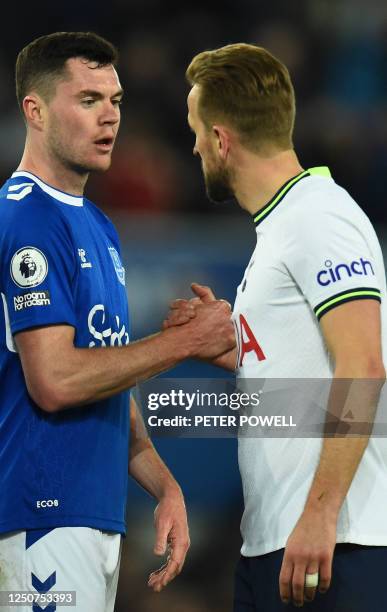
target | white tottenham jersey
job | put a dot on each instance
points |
(316, 249)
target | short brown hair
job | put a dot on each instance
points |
(42, 62)
(250, 89)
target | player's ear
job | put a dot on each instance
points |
(33, 107)
(222, 137)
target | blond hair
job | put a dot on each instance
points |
(249, 89)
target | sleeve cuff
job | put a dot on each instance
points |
(360, 293)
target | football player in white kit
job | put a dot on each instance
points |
(311, 305)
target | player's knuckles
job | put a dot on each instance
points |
(298, 585)
(223, 306)
(226, 305)
(178, 303)
(300, 555)
(180, 312)
(177, 312)
(325, 557)
(286, 569)
(180, 319)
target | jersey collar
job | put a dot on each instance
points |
(66, 198)
(261, 215)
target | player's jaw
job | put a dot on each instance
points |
(95, 158)
(83, 154)
(218, 185)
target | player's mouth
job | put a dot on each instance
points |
(104, 144)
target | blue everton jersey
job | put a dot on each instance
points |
(59, 264)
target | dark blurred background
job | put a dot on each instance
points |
(336, 51)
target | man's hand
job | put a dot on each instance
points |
(183, 311)
(172, 536)
(309, 549)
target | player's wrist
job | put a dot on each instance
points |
(171, 490)
(182, 344)
(168, 489)
(326, 511)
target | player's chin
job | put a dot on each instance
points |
(100, 164)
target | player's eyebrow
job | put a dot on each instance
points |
(92, 93)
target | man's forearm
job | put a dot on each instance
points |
(148, 469)
(340, 456)
(145, 464)
(89, 375)
(227, 361)
(339, 460)
(59, 375)
(63, 376)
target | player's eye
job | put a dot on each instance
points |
(117, 102)
(88, 101)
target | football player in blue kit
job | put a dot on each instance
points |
(65, 360)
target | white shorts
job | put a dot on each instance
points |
(76, 559)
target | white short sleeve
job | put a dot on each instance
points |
(335, 256)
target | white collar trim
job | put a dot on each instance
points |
(66, 198)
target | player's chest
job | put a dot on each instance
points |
(100, 270)
(266, 282)
(100, 294)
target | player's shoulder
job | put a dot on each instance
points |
(18, 189)
(97, 212)
(321, 201)
(25, 207)
(101, 217)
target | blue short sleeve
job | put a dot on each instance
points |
(38, 268)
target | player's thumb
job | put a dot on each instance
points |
(203, 292)
(160, 546)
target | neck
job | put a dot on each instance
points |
(52, 171)
(258, 179)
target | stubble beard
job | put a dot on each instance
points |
(218, 186)
(70, 158)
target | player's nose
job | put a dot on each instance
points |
(110, 114)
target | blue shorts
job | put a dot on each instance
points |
(358, 582)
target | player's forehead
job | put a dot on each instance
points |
(192, 103)
(83, 75)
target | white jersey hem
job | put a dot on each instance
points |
(348, 538)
